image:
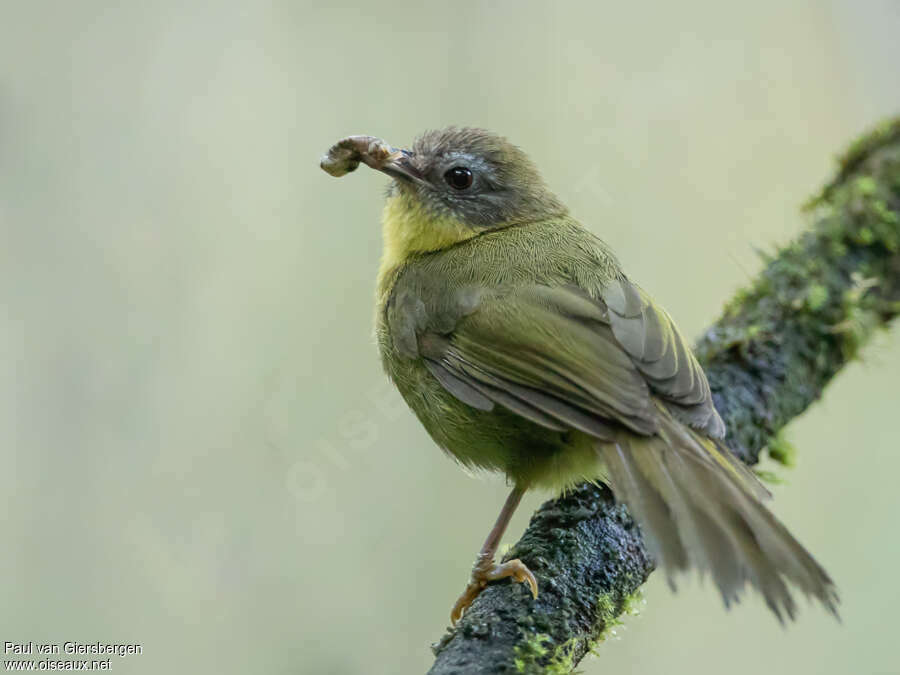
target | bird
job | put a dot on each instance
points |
(516, 338)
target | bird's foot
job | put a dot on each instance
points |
(486, 571)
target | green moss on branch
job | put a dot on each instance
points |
(771, 354)
(816, 303)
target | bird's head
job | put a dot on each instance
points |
(451, 186)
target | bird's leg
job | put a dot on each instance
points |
(485, 570)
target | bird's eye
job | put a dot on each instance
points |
(459, 178)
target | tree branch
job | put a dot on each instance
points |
(771, 354)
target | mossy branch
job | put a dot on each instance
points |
(771, 354)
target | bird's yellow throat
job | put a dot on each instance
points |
(408, 229)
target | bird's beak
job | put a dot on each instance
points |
(399, 166)
(345, 155)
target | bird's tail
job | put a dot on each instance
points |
(700, 507)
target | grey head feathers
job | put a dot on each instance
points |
(505, 186)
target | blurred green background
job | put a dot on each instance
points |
(199, 451)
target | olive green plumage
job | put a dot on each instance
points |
(515, 337)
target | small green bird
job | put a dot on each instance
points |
(516, 338)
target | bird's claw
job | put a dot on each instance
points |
(485, 572)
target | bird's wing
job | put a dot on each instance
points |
(559, 357)
(548, 354)
(650, 337)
